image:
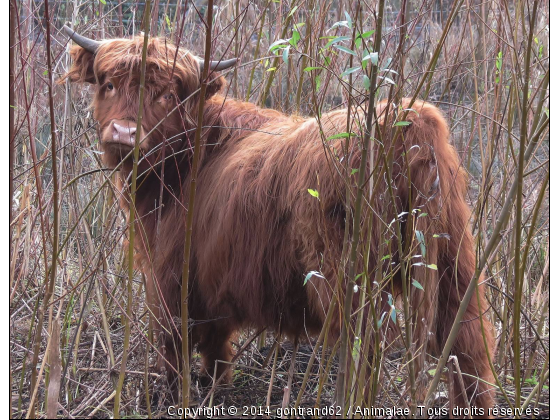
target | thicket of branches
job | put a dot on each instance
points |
(485, 64)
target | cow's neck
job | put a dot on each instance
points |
(231, 120)
(157, 186)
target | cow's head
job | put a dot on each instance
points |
(173, 77)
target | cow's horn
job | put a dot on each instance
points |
(86, 43)
(218, 65)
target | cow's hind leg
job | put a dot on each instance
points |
(470, 349)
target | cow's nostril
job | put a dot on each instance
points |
(123, 133)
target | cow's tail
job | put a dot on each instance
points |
(435, 185)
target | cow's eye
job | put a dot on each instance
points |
(168, 96)
(110, 86)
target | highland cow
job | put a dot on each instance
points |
(257, 230)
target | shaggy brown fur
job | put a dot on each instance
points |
(257, 231)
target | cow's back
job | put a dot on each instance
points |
(258, 230)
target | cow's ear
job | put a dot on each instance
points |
(216, 84)
(82, 66)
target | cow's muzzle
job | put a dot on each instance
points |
(117, 141)
(121, 134)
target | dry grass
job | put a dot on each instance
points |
(478, 80)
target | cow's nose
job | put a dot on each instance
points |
(124, 132)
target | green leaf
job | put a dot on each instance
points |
(373, 57)
(313, 192)
(365, 34)
(295, 38)
(420, 237)
(499, 61)
(271, 69)
(335, 40)
(411, 109)
(285, 54)
(341, 136)
(350, 71)
(393, 314)
(293, 11)
(387, 79)
(312, 68)
(360, 37)
(338, 24)
(367, 82)
(531, 381)
(354, 171)
(402, 123)
(356, 348)
(346, 50)
(417, 285)
(103, 1)
(278, 44)
(380, 321)
(348, 19)
(432, 266)
(311, 274)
